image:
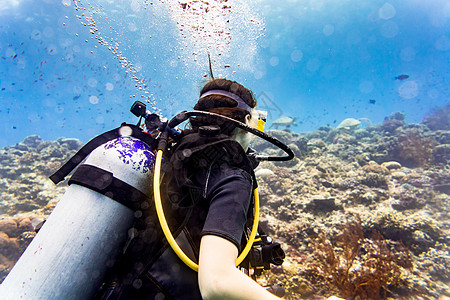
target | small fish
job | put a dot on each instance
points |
(372, 101)
(76, 97)
(402, 77)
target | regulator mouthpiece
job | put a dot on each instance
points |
(261, 119)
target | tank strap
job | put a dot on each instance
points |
(103, 138)
(106, 184)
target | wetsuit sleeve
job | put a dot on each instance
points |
(229, 193)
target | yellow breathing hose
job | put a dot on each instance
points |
(168, 234)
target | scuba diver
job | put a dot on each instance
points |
(192, 234)
(207, 192)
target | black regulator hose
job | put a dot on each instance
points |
(183, 116)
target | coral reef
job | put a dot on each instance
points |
(27, 196)
(362, 214)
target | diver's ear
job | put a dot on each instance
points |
(248, 118)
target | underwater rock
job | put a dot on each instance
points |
(443, 188)
(8, 245)
(9, 227)
(283, 136)
(417, 180)
(375, 180)
(396, 116)
(375, 168)
(296, 150)
(398, 174)
(347, 184)
(71, 144)
(302, 144)
(32, 141)
(439, 119)
(390, 126)
(391, 165)
(263, 172)
(441, 154)
(322, 204)
(412, 148)
(318, 143)
(43, 145)
(417, 231)
(21, 147)
(408, 201)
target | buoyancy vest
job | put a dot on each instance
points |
(149, 267)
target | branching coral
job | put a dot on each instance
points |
(358, 266)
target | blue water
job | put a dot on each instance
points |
(318, 61)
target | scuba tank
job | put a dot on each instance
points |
(81, 239)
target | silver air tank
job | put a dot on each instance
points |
(69, 256)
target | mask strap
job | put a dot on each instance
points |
(241, 103)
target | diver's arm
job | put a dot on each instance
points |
(219, 278)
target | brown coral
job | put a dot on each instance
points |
(358, 266)
(439, 119)
(413, 149)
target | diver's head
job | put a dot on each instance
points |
(228, 98)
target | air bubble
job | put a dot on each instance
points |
(387, 11)
(135, 6)
(36, 34)
(93, 99)
(296, 55)
(92, 82)
(313, 64)
(109, 86)
(125, 131)
(274, 61)
(68, 57)
(408, 90)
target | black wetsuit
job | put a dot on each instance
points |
(208, 191)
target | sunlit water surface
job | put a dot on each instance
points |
(73, 68)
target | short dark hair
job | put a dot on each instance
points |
(223, 105)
